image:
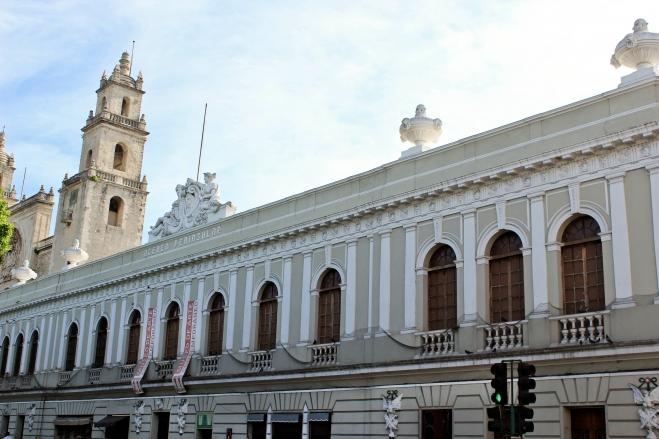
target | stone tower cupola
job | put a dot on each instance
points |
(103, 204)
(7, 169)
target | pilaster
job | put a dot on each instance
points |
(470, 275)
(620, 242)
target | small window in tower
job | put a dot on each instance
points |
(89, 158)
(119, 158)
(124, 107)
(104, 103)
(115, 212)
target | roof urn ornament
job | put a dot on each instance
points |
(638, 50)
(74, 255)
(23, 274)
(419, 130)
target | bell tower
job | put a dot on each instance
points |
(103, 204)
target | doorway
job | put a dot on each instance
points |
(160, 425)
(437, 424)
(587, 423)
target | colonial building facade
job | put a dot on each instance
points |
(394, 289)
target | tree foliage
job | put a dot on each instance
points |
(6, 229)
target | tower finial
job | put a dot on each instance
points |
(124, 64)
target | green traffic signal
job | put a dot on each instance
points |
(500, 383)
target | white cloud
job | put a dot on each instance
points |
(299, 93)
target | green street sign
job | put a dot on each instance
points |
(204, 420)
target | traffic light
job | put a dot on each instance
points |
(497, 419)
(500, 383)
(525, 383)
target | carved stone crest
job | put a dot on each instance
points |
(181, 411)
(197, 204)
(137, 418)
(30, 416)
(646, 394)
(391, 403)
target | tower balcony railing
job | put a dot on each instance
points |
(504, 336)
(583, 328)
(117, 119)
(97, 174)
(436, 343)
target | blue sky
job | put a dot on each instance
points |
(300, 93)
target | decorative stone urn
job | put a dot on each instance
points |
(419, 130)
(74, 255)
(23, 274)
(638, 50)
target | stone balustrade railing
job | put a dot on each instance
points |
(582, 328)
(260, 360)
(63, 377)
(126, 372)
(106, 176)
(210, 365)
(324, 354)
(503, 336)
(94, 375)
(165, 369)
(434, 343)
(117, 119)
(26, 381)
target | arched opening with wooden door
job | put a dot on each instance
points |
(171, 331)
(267, 335)
(506, 268)
(329, 307)
(216, 324)
(442, 289)
(134, 329)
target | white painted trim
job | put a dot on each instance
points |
(44, 363)
(247, 307)
(201, 291)
(654, 195)
(574, 192)
(410, 278)
(438, 227)
(430, 244)
(305, 306)
(469, 282)
(564, 215)
(371, 290)
(351, 288)
(320, 272)
(156, 323)
(81, 331)
(539, 256)
(492, 230)
(286, 301)
(115, 330)
(233, 301)
(622, 271)
(385, 280)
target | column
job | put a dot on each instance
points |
(90, 335)
(620, 242)
(12, 348)
(143, 323)
(26, 348)
(305, 304)
(50, 361)
(187, 286)
(469, 243)
(201, 302)
(115, 329)
(286, 301)
(247, 308)
(121, 334)
(371, 249)
(385, 279)
(62, 347)
(81, 337)
(654, 195)
(233, 306)
(157, 326)
(42, 346)
(410, 278)
(539, 257)
(351, 289)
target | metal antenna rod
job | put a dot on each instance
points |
(23, 184)
(132, 52)
(201, 145)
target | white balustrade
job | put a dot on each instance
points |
(582, 328)
(165, 369)
(260, 360)
(95, 375)
(434, 343)
(324, 354)
(126, 372)
(210, 365)
(504, 336)
(64, 377)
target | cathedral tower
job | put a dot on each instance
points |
(103, 204)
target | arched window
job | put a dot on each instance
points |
(17, 355)
(134, 328)
(442, 289)
(125, 104)
(115, 211)
(89, 158)
(506, 279)
(101, 342)
(268, 317)
(329, 308)
(34, 348)
(5, 356)
(71, 346)
(119, 162)
(583, 272)
(171, 332)
(215, 324)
